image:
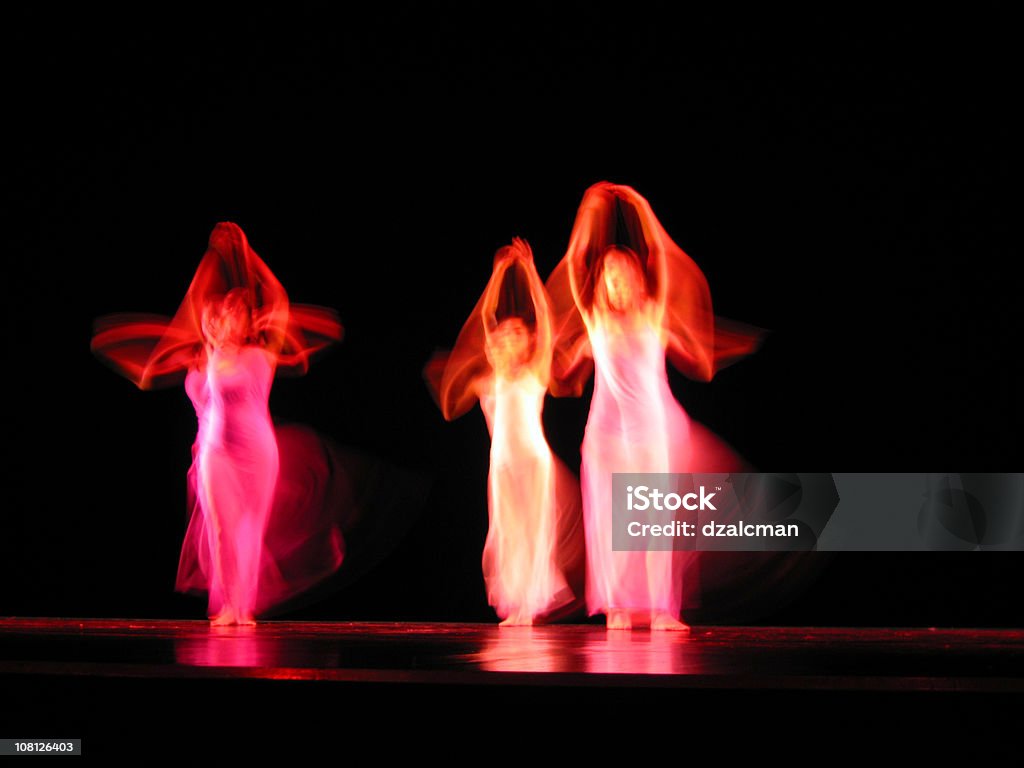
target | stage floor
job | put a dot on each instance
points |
(723, 658)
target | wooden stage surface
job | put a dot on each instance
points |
(281, 690)
(747, 658)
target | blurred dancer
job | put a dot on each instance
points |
(255, 537)
(623, 296)
(533, 555)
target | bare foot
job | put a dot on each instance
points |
(232, 619)
(517, 620)
(667, 621)
(618, 619)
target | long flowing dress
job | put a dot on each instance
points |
(635, 423)
(267, 504)
(531, 495)
(533, 558)
(234, 475)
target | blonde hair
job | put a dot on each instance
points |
(625, 256)
(221, 318)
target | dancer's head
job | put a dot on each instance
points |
(508, 346)
(227, 321)
(620, 286)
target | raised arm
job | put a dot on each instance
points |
(581, 246)
(543, 339)
(492, 295)
(571, 363)
(681, 300)
(697, 342)
(656, 245)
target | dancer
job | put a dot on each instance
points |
(255, 538)
(623, 296)
(533, 554)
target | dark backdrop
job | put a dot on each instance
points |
(843, 181)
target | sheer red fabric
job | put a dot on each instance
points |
(152, 350)
(698, 343)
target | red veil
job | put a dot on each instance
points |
(514, 290)
(698, 343)
(154, 351)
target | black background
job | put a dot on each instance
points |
(845, 181)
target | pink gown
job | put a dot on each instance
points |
(234, 473)
(269, 503)
(635, 425)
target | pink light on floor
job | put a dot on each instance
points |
(533, 555)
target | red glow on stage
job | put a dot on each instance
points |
(533, 556)
(798, 658)
(623, 296)
(265, 522)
